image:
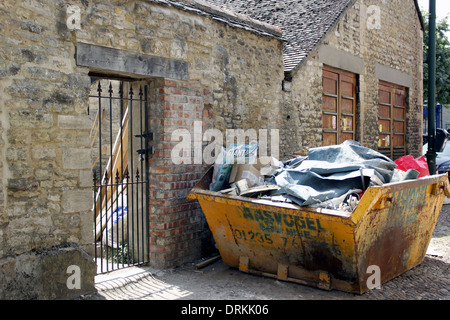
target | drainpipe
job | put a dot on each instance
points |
(431, 154)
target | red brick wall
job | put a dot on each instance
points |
(178, 230)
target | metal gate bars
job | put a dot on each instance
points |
(120, 175)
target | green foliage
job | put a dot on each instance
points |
(122, 254)
(442, 61)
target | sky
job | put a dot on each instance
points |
(442, 7)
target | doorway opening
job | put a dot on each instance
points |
(120, 137)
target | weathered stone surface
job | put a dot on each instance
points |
(102, 58)
(45, 274)
(74, 122)
(75, 158)
(76, 200)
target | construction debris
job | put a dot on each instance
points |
(332, 177)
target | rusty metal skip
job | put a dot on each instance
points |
(390, 229)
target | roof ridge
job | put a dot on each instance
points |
(234, 16)
(224, 15)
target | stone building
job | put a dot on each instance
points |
(189, 66)
(353, 71)
(199, 64)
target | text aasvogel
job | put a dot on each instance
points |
(269, 218)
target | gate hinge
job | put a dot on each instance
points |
(145, 135)
(145, 151)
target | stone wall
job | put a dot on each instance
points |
(233, 80)
(377, 41)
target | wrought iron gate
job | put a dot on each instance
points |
(120, 174)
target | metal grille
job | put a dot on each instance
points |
(120, 175)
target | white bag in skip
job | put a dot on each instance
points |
(242, 154)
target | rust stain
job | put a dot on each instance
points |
(388, 253)
(391, 229)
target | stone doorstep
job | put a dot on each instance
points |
(119, 278)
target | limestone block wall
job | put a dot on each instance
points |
(233, 80)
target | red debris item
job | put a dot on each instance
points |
(408, 162)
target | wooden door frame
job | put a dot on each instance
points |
(339, 114)
(393, 88)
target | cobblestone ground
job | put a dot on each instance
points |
(428, 281)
